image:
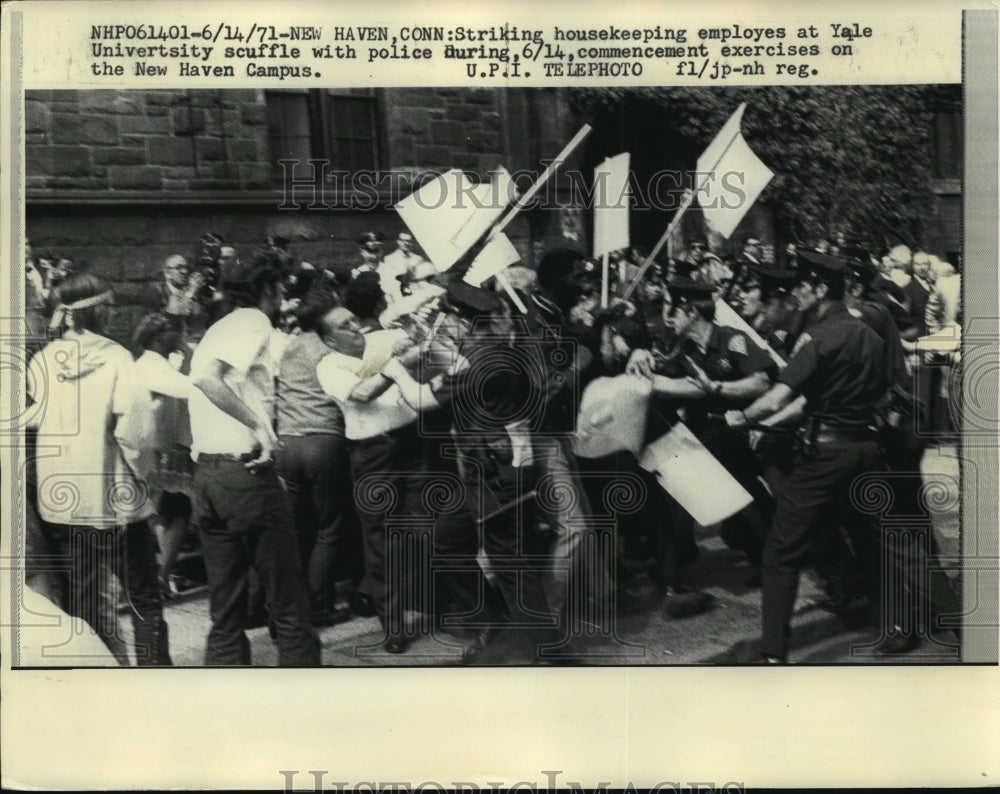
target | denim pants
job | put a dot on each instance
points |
(245, 521)
(578, 560)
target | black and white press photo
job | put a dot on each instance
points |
(493, 376)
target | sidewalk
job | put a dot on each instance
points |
(643, 635)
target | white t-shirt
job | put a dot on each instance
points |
(245, 340)
(338, 375)
(159, 377)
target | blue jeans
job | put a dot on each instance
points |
(245, 520)
(578, 560)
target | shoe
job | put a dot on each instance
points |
(362, 605)
(765, 659)
(474, 647)
(166, 592)
(752, 578)
(896, 642)
(331, 617)
(682, 602)
(396, 645)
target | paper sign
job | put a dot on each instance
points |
(497, 256)
(611, 205)
(487, 200)
(692, 475)
(448, 214)
(730, 177)
(612, 416)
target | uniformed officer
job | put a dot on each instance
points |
(839, 367)
(763, 299)
(493, 401)
(711, 369)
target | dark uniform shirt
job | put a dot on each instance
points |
(730, 355)
(839, 366)
(555, 345)
(879, 319)
(492, 392)
(775, 334)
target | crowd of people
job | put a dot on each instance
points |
(388, 440)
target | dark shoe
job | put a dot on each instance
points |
(362, 605)
(682, 602)
(396, 645)
(896, 642)
(473, 648)
(752, 578)
(332, 617)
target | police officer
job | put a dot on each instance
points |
(839, 367)
(762, 297)
(486, 389)
(711, 369)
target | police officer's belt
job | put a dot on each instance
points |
(833, 434)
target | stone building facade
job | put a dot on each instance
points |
(123, 179)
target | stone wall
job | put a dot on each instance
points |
(115, 142)
(125, 178)
(442, 128)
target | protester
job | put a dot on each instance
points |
(243, 513)
(104, 527)
(161, 450)
(312, 462)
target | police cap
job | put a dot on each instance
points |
(775, 282)
(814, 266)
(684, 291)
(471, 302)
(371, 237)
(861, 271)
